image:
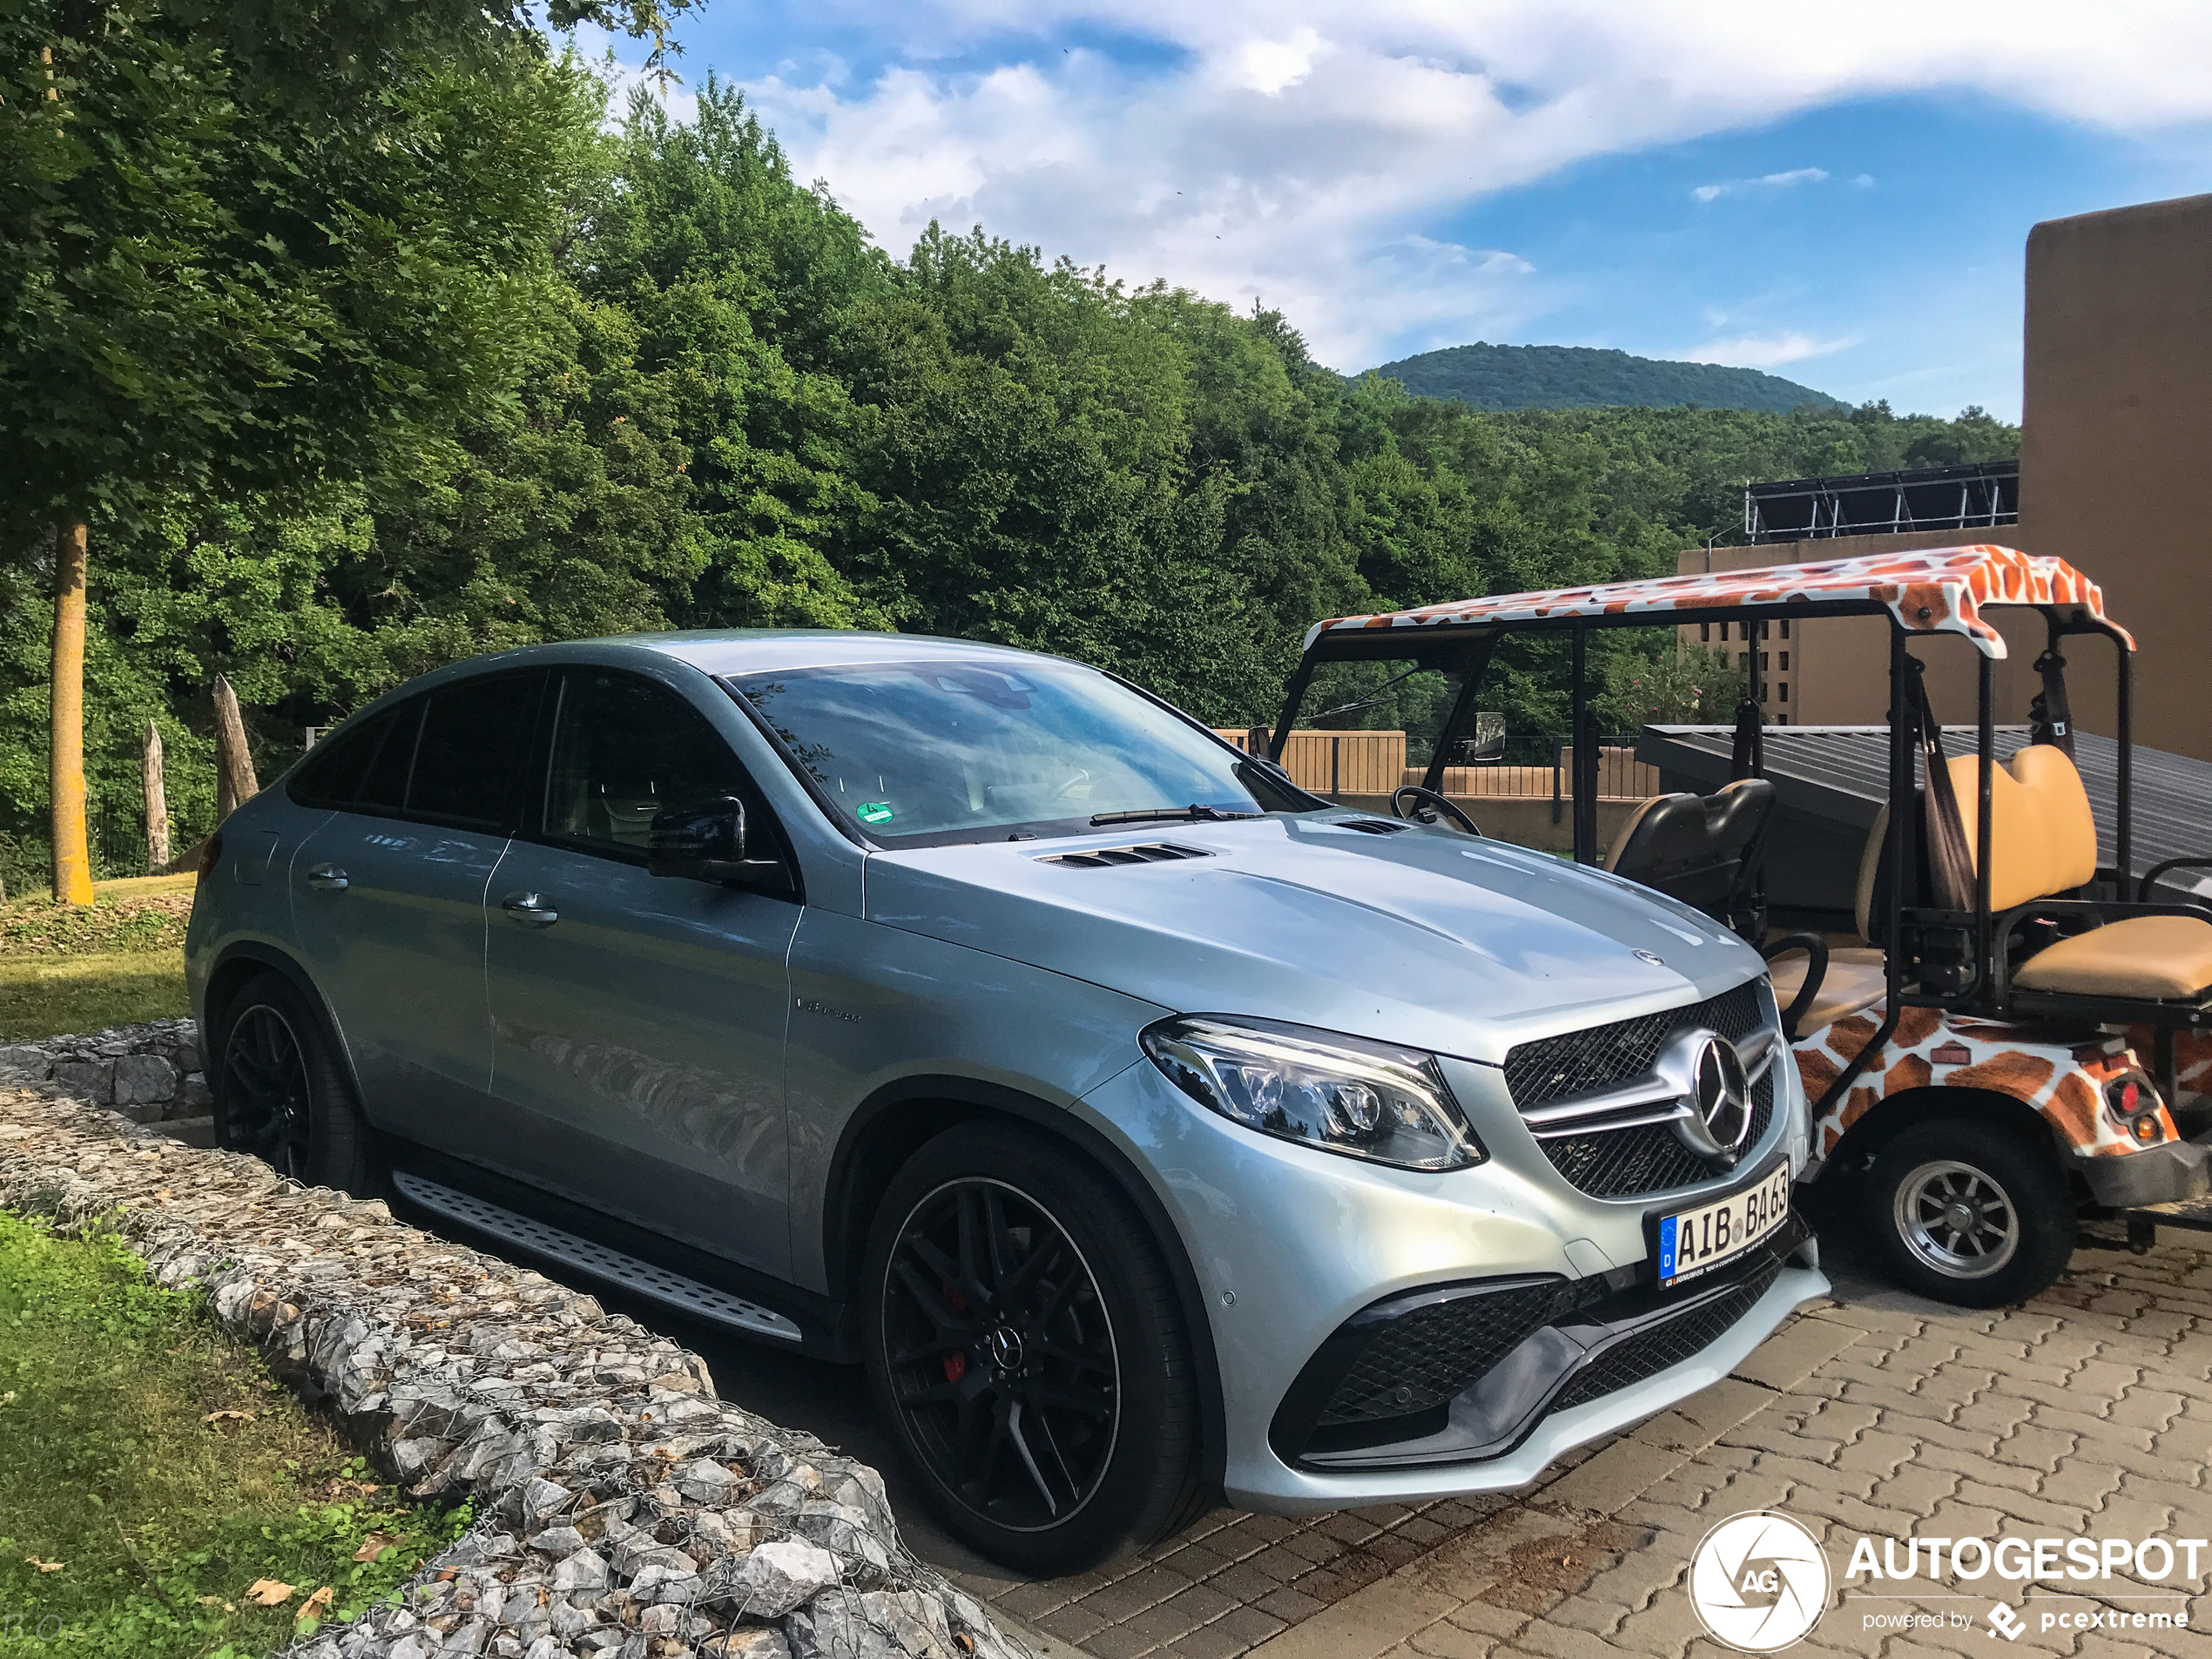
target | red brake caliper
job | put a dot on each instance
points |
(956, 1361)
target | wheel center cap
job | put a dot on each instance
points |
(1961, 1217)
(1003, 1347)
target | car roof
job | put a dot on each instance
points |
(1939, 590)
(753, 651)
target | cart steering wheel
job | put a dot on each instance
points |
(1422, 806)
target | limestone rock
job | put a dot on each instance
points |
(769, 1581)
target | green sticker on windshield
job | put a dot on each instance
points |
(874, 811)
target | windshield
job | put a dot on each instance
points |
(925, 753)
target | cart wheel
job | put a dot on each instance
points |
(1971, 1215)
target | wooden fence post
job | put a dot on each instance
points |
(156, 804)
(234, 781)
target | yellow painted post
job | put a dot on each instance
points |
(72, 852)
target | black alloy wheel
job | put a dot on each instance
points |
(265, 1089)
(1024, 1337)
(283, 1094)
(1001, 1354)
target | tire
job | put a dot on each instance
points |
(2020, 1219)
(1061, 1428)
(282, 1094)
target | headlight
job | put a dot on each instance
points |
(1366, 1100)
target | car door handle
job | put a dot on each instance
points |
(530, 908)
(326, 878)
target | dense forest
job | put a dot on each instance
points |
(701, 397)
(1581, 377)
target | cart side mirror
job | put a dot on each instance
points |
(707, 841)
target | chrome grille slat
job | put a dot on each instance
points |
(1638, 1152)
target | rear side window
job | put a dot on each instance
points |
(474, 751)
(363, 768)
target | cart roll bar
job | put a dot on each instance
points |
(1901, 854)
(1986, 766)
(1585, 751)
(1478, 665)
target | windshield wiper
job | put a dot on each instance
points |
(1194, 812)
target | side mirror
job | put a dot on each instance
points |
(705, 841)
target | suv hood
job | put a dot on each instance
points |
(1424, 937)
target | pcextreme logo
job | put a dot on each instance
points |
(1759, 1581)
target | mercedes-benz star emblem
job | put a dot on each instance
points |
(1718, 1091)
(1651, 956)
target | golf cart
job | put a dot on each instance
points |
(1994, 1060)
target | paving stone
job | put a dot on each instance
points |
(1210, 1641)
(1443, 1641)
(1293, 1607)
(1249, 1625)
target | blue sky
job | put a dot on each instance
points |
(1840, 195)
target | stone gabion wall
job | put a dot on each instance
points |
(625, 1511)
(147, 1072)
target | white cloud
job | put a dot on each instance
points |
(1765, 350)
(1293, 150)
(1766, 181)
(1269, 66)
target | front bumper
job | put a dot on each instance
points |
(2179, 1170)
(1300, 1491)
(1287, 1243)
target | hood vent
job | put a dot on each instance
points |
(1144, 853)
(1372, 826)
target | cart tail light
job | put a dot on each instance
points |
(2134, 1102)
(210, 854)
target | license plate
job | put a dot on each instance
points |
(1692, 1241)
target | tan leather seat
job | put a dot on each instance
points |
(2043, 842)
(1856, 979)
(2161, 958)
(2042, 836)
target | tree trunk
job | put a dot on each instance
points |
(235, 783)
(73, 851)
(156, 805)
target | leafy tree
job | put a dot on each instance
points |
(1689, 684)
(251, 248)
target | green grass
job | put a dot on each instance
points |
(152, 1515)
(71, 968)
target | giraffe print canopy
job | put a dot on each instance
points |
(1938, 591)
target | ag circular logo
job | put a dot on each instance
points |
(1759, 1581)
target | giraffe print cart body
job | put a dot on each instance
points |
(2022, 1037)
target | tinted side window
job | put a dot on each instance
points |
(384, 787)
(364, 767)
(333, 769)
(623, 749)
(474, 749)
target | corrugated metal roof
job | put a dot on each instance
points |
(1841, 773)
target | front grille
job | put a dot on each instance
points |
(1437, 1352)
(1550, 1067)
(1649, 1353)
(1621, 1164)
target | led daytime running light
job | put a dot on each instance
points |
(1342, 1095)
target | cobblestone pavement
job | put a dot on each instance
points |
(2086, 1414)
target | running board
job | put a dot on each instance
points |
(639, 1277)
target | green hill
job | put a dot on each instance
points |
(1579, 377)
